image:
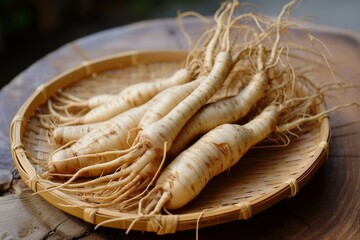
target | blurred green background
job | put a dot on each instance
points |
(29, 29)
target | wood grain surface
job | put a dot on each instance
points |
(328, 207)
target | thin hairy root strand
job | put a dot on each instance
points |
(141, 175)
(69, 107)
(296, 123)
(112, 198)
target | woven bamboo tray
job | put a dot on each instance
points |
(262, 178)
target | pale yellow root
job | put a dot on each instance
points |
(132, 96)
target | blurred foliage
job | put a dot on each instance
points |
(24, 16)
(29, 29)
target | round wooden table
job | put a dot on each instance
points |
(328, 207)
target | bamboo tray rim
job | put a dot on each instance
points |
(174, 223)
